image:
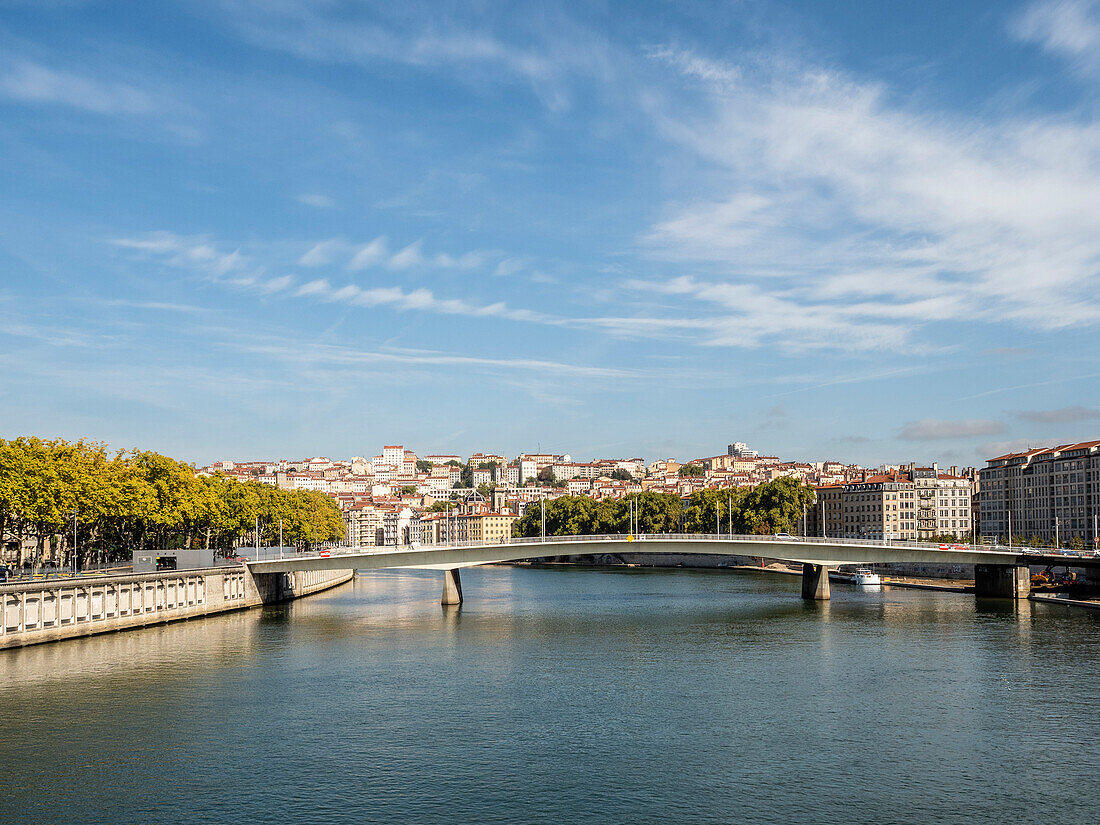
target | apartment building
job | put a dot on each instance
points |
(364, 524)
(401, 527)
(490, 527)
(1051, 493)
(487, 527)
(915, 503)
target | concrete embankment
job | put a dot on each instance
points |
(54, 609)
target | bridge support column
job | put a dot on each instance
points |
(815, 582)
(1002, 581)
(452, 587)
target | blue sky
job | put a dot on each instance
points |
(238, 228)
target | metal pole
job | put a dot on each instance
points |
(74, 544)
(1057, 543)
(280, 538)
(542, 504)
(1009, 529)
(729, 511)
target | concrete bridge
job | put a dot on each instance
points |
(999, 571)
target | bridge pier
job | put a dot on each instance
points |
(452, 587)
(815, 582)
(1002, 581)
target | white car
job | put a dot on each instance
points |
(784, 536)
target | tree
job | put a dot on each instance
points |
(143, 500)
(408, 490)
(699, 515)
(423, 465)
(621, 475)
(776, 506)
(692, 471)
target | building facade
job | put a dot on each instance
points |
(1048, 494)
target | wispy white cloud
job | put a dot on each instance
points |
(316, 200)
(340, 356)
(752, 315)
(368, 33)
(855, 217)
(194, 252)
(34, 83)
(1067, 28)
(370, 254)
(418, 299)
(322, 253)
(160, 306)
(509, 266)
(697, 66)
(408, 257)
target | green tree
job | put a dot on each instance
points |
(776, 506)
(692, 471)
(423, 465)
(699, 514)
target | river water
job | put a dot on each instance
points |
(566, 695)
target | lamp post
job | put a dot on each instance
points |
(74, 542)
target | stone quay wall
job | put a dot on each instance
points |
(50, 610)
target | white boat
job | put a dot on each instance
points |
(865, 575)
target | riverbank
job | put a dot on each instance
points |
(39, 611)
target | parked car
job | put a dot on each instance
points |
(784, 536)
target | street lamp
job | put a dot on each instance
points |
(73, 560)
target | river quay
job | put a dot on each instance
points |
(50, 610)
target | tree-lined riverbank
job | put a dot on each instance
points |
(123, 501)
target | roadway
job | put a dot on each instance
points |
(800, 550)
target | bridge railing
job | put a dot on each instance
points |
(794, 541)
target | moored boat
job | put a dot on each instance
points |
(865, 575)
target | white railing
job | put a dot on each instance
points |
(793, 541)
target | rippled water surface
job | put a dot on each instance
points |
(566, 695)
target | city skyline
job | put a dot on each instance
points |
(238, 229)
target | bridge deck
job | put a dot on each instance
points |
(806, 550)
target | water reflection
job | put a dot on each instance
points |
(562, 695)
